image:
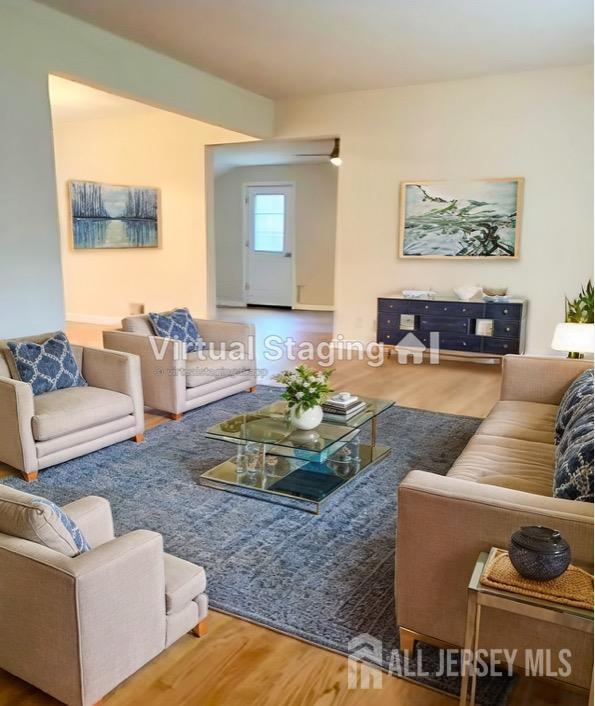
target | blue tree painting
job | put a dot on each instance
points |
(106, 216)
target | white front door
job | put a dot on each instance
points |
(269, 245)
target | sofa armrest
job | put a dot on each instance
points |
(117, 371)
(93, 515)
(17, 446)
(539, 378)
(121, 609)
(443, 525)
(163, 368)
(228, 332)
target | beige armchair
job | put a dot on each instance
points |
(77, 627)
(37, 431)
(176, 383)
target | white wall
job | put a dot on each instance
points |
(315, 228)
(535, 124)
(153, 148)
(34, 42)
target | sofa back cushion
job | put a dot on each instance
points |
(40, 521)
(46, 365)
(4, 369)
(137, 324)
(580, 388)
(573, 477)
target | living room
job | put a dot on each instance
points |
(366, 492)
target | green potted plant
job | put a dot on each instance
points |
(306, 389)
(580, 310)
(577, 334)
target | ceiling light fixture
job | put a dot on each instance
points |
(334, 155)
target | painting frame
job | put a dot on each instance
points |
(520, 186)
(158, 220)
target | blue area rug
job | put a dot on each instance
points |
(321, 578)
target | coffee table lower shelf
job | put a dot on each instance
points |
(307, 497)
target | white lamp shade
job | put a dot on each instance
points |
(576, 338)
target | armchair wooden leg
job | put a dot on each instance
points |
(138, 437)
(176, 416)
(252, 389)
(29, 475)
(201, 629)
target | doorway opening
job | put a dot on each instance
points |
(131, 192)
(274, 224)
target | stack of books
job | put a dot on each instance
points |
(339, 410)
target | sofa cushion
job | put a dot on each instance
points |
(507, 462)
(41, 521)
(48, 365)
(573, 477)
(528, 421)
(203, 368)
(183, 582)
(580, 388)
(178, 324)
(65, 411)
(138, 324)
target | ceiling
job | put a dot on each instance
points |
(75, 101)
(281, 48)
(251, 154)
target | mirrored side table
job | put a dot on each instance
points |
(479, 596)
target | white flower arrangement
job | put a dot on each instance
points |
(305, 387)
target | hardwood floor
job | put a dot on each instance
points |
(238, 663)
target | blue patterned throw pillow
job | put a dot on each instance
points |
(573, 478)
(581, 387)
(78, 539)
(46, 366)
(178, 325)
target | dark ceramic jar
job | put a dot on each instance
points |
(539, 553)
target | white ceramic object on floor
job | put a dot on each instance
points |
(309, 419)
(467, 292)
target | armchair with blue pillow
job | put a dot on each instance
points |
(85, 609)
(59, 401)
(187, 362)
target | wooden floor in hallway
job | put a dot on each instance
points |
(242, 664)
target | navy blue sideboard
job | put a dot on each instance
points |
(456, 323)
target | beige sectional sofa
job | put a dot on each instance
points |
(502, 480)
(176, 385)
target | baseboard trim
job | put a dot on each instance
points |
(93, 319)
(313, 307)
(231, 302)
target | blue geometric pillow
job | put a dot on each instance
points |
(47, 366)
(179, 326)
(581, 387)
(573, 478)
(78, 539)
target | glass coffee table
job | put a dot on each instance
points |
(278, 463)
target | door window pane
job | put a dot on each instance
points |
(269, 222)
(269, 203)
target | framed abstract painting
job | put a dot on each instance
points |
(108, 216)
(467, 219)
